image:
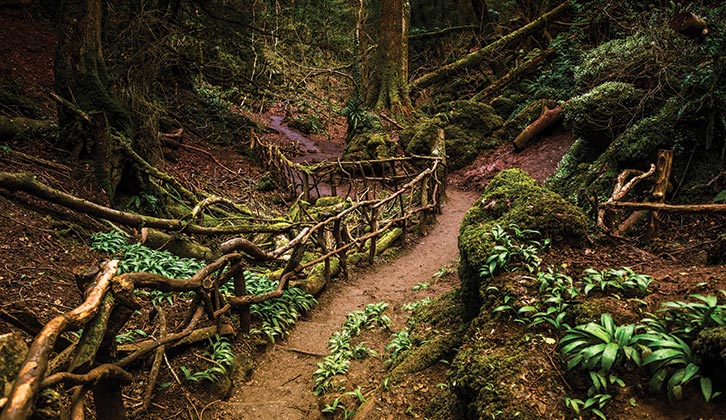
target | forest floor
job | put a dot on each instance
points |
(41, 246)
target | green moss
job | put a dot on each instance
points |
(604, 112)
(619, 59)
(467, 129)
(445, 406)
(487, 378)
(511, 197)
(369, 145)
(419, 139)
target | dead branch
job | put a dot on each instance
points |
(28, 381)
(148, 348)
(25, 182)
(673, 208)
(619, 191)
(248, 247)
(156, 365)
(548, 118)
(195, 336)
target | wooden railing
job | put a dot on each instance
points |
(375, 199)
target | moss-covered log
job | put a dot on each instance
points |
(27, 183)
(11, 127)
(177, 245)
(317, 279)
(477, 57)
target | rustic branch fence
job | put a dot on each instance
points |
(374, 198)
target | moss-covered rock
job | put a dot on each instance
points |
(488, 378)
(369, 145)
(511, 197)
(604, 112)
(589, 168)
(711, 347)
(467, 126)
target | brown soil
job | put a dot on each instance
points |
(281, 387)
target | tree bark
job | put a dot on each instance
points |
(387, 88)
(477, 57)
(28, 381)
(81, 79)
(548, 118)
(94, 122)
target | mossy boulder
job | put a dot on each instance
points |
(511, 197)
(589, 168)
(488, 377)
(604, 112)
(467, 126)
(369, 145)
(710, 346)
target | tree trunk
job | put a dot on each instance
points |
(387, 88)
(94, 123)
(481, 13)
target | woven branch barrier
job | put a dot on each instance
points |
(375, 200)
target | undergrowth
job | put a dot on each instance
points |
(658, 347)
(276, 316)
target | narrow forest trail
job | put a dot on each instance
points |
(281, 385)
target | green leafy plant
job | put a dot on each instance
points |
(512, 245)
(109, 243)
(336, 406)
(421, 286)
(131, 336)
(222, 357)
(399, 344)
(600, 346)
(278, 315)
(622, 280)
(341, 345)
(688, 318)
(331, 365)
(412, 306)
(673, 365)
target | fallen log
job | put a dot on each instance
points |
(548, 118)
(175, 244)
(482, 54)
(514, 74)
(26, 182)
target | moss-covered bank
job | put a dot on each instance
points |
(511, 197)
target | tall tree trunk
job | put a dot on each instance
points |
(91, 118)
(387, 88)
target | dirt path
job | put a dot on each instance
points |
(281, 387)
